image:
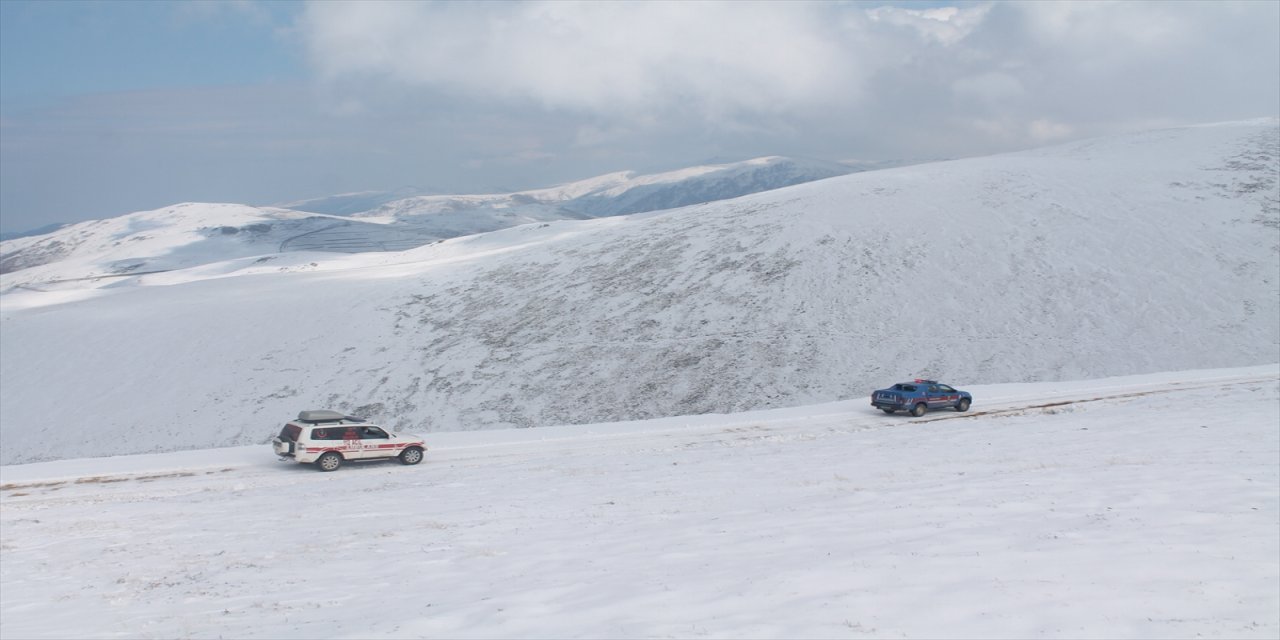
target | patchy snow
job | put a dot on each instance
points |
(1139, 507)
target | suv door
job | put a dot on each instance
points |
(352, 446)
(936, 397)
(947, 395)
(374, 442)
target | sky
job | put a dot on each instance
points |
(112, 107)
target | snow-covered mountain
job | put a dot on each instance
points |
(186, 235)
(1147, 252)
(438, 217)
(344, 204)
(101, 252)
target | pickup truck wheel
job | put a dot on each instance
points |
(329, 462)
(412, 455)
(918, 410)
(888, 410)
(963, 405)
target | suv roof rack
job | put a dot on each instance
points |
(314, 416)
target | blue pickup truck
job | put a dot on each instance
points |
(918, 396)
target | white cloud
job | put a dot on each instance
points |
(715, 60)
(1048, 131)
(989, 87)
(1090, 24)
(783, 68)
(492, 96)
(944, 25)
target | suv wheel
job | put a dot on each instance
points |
(329, 461)
(888, 410)
(963, 405)
(412, 455)
(918, 410)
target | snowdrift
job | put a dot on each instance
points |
(1140, 253)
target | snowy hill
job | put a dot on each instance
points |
(438, 217)
(348, 203)
(1150, 252)
(100, 252)
(1119, 508)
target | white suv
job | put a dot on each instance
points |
(329, 438)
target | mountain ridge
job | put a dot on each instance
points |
(1150, 252)
(118, 247)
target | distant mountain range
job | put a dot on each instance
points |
(192, 234)
(345, 204)
(48, 228)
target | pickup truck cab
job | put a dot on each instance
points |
(919, 396)
(329, 438)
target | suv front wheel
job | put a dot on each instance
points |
(329, 461)
(412, 455)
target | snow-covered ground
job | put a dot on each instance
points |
(1139, 507)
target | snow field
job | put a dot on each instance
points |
(1139, 507)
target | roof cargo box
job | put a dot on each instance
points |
(320, 415)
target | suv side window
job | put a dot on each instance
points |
(327, 433)
(373, 433)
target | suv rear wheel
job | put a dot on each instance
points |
(918, 410)
(329, 461)
(412, 455)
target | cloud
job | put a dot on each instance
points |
(794, 66)
(1048, 131)
(467, 97)
(713, 60)
(993, 87)
(943, 25)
